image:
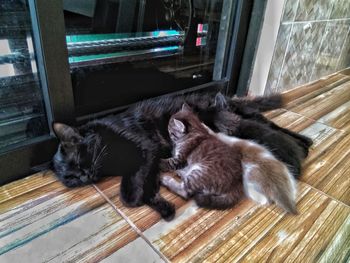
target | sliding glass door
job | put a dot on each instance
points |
(34, 85)
(73, 60)
(23, 117)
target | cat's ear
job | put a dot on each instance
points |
(186, 107)
(65, 133)
(220, 101)
(180, 126)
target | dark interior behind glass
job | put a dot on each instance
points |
(123, 51)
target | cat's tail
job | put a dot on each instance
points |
(259, 103)
(267, 180)
(222, 201)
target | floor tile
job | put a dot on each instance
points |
(320, 231)
(135, 252)
(30, 184)
(292, 121)
(324, 103)
(143, 217)
(304, 93)
(56, 224)
(345, 71)
(327, 167)
(338, 118)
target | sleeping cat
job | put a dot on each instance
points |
(131, 144)
(284, 147)
(215, 164)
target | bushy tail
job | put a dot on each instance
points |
(283, 197)
(260, 103)
(266, 179)
(222, 201)
(271, 182)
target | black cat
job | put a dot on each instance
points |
(131, 144)
(287, 146)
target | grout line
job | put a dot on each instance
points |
(287, 48)
(315, 21)
(342, 49)
(324, 193)
(319, 51)
(132, 225)
(315, 120)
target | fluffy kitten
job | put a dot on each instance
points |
(215, 164)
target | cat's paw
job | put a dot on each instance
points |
(166, 180)
(167, 211)
(162, 206)
(131, 197)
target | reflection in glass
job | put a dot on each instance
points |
(22, 113)
(151, 47)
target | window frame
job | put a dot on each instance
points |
(52, 58)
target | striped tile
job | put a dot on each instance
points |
(338, 118)
(304, 93)
(324, 103)
(143, 217)
(43, 221)
(328, 167)
(260, 235)
(292, 121)
(46, 222)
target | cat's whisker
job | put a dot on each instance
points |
(101, 154)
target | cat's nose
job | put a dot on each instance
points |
(84, 178)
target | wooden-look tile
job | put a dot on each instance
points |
(143, 217)
(338, 118)
(320, 231)
(328, 168)
(324, 139)
(345, 71)
(26, 185)
(303, 93)
(53, 223)
(324, 103)
(292, 121)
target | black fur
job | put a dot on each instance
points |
(133, 142)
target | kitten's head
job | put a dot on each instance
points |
(184, 122)
(78, 157)
(224, 119)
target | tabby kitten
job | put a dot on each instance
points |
(216, 163)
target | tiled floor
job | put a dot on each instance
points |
(42, 221)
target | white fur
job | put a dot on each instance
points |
(229, 140)
(250, 188)
(292, 182)
(267, 155)
(252, 193)
(188, 170)
(210, 131)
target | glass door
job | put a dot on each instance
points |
(23, 116)
(35, 85)
(71, 60)
(122, 51)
